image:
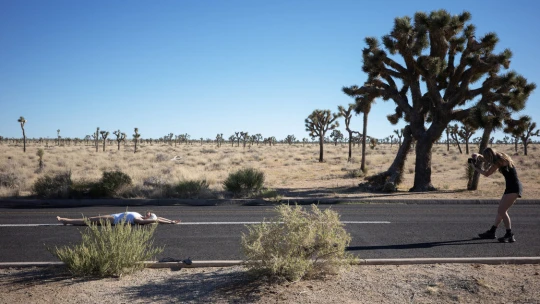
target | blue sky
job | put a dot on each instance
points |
(207, 67)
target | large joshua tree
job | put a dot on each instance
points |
(318, 123)
(120, 137)
(22, 121)
(432, 83)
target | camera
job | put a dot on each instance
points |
(472, 161)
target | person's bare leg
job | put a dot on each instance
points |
(81, 222)
(507, 201)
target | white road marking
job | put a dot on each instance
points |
(199, 223)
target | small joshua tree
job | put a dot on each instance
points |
(22, 121)
(40, 153)
(104, 135)
(318, 123)
(136, 138)
(120, 137)
(96, 139)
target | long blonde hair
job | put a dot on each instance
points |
(491, 157)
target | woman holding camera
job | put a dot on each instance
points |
(486, 164)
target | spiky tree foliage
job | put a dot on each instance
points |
(22, 121)
(318, 123)
(120, 137)
(336, 136)
(136, 137)
(290, 139)
(363, 105)
(432, 82)
(522, 128)
(104, 135)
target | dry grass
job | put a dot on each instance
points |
(292, 170)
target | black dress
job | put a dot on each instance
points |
(513, 185)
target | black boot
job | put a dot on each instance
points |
(508, 237)
(490, 234)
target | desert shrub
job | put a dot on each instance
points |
(108, 250)
(9, 180)
(81, 188)
(110, 183)
(244, 181)
(297, 244)
(190, 188)
(56, 186)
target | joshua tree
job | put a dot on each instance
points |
(22, 121)
(219, 139)
(337, 136)
(136, 137)
(58, 136)
(399, 133)
(104, 135)
(347, 115)
(244, 136)
(40, 153)
(232, 139)
(96, 138)
(522, 128)
(466, 132)
(363, 105)
(258, 138)
(120, 137)
(431, 84)
(454, 134)
(318, 123)
(290, 139)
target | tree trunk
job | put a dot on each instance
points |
(321, 143)
(483, 145)
(422, 175)
(525, 141)
(363, 165)
(391, 178)
(350, 147)
(24, 140)
(135, 146)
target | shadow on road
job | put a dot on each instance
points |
(472, 241)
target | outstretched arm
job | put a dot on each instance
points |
(163, 220)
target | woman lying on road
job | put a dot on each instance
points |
(130, 218)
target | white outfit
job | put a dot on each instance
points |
(129, 216)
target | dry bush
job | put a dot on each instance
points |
(297, 244)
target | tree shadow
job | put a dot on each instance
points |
(424, 245)
(34, 276)
(206, 287)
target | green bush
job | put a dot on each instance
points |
(297, 244)
(190, 188)
(57, 186)
(110, 183)
(108, 250)
(244, 181)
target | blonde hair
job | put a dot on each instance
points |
(491, 157)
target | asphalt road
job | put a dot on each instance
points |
(214, 232)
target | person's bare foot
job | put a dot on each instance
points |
(176, 222)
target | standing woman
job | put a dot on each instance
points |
(491, 161)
